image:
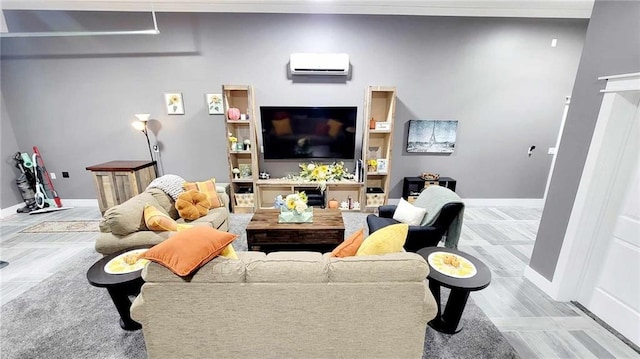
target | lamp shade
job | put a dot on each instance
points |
(144, 117)
(138, 125)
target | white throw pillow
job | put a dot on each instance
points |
(408, 213)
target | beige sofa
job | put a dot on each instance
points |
(123, 227)
(288, 305)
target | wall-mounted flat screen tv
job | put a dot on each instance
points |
(308, 132)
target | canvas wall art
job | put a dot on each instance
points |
(174, 103)
(214, 103)
(432, 136)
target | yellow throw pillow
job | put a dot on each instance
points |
(190, 249)
(282, 127)
(389, 239)
(229, 252)
(207, 187)
(350, 245)
(334, 127)
(157, 220)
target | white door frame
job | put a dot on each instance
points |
(605, 175)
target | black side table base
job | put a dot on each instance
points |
(131, 326)
(439, 325)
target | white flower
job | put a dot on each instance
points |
(300, 206)
(310, 167)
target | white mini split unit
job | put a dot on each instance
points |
(319, 64)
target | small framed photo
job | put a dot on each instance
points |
(214, 103)
(382, 165)
(174, 103)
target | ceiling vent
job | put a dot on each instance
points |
(319, 64)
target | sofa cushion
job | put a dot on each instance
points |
(288, 267)
(157, 220)
(215, 218)
(127, 218)
(165, 201)
(209, 188)
(392, 267)
(350, 245)
(389, 239)
(192, 204)
(188, 250)
(408, 213)
(218, 270)
(108, 243)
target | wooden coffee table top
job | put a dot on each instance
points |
(266, 219)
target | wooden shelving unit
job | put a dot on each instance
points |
(242, 189)
(380, 104)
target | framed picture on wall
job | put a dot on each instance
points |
(432, 136)
(173, 101)
(214, 103)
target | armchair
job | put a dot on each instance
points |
(445, 211)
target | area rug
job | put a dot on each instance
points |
(63, 226)
(65, 317)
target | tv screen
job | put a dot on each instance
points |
(308, 132)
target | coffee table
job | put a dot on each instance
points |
(119, 286)
(324, 234)
(448, 321)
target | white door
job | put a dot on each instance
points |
(615, 298)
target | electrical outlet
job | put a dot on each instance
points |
(156, 149)
(52, 175)
(65, 174)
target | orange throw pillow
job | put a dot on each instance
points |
(209, 188)
(350, 246)
(190, 249)
(192, 204)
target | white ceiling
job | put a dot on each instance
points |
(492, 8)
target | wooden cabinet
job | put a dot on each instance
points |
(268, 190)
(241, 157)
(412, 186)
(117, 181)
(380, 106)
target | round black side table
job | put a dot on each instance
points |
(119, 286)
(448, 321)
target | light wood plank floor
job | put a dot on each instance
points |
(502, 237)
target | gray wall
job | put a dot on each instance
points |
(75, 97)
(612, 47)
(9, 194)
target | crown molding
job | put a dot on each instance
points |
(580, 9)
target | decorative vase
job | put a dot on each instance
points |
(333, 203)
(292, 216)
(372, 124)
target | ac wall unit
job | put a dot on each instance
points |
(319, 64)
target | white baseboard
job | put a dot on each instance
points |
(5, 212)
(79, 202)
(497, 202)
(502, 202)
(541, 282)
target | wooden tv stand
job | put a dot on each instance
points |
(267, 191)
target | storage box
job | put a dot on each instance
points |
(375, 197)
(244, 199)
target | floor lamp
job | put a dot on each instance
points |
(141, 125)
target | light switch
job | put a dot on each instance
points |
(552, 151)
(52, 175)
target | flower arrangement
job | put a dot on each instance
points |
(296, 202)
(373, 165)
(322, 173)
(233, 139)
